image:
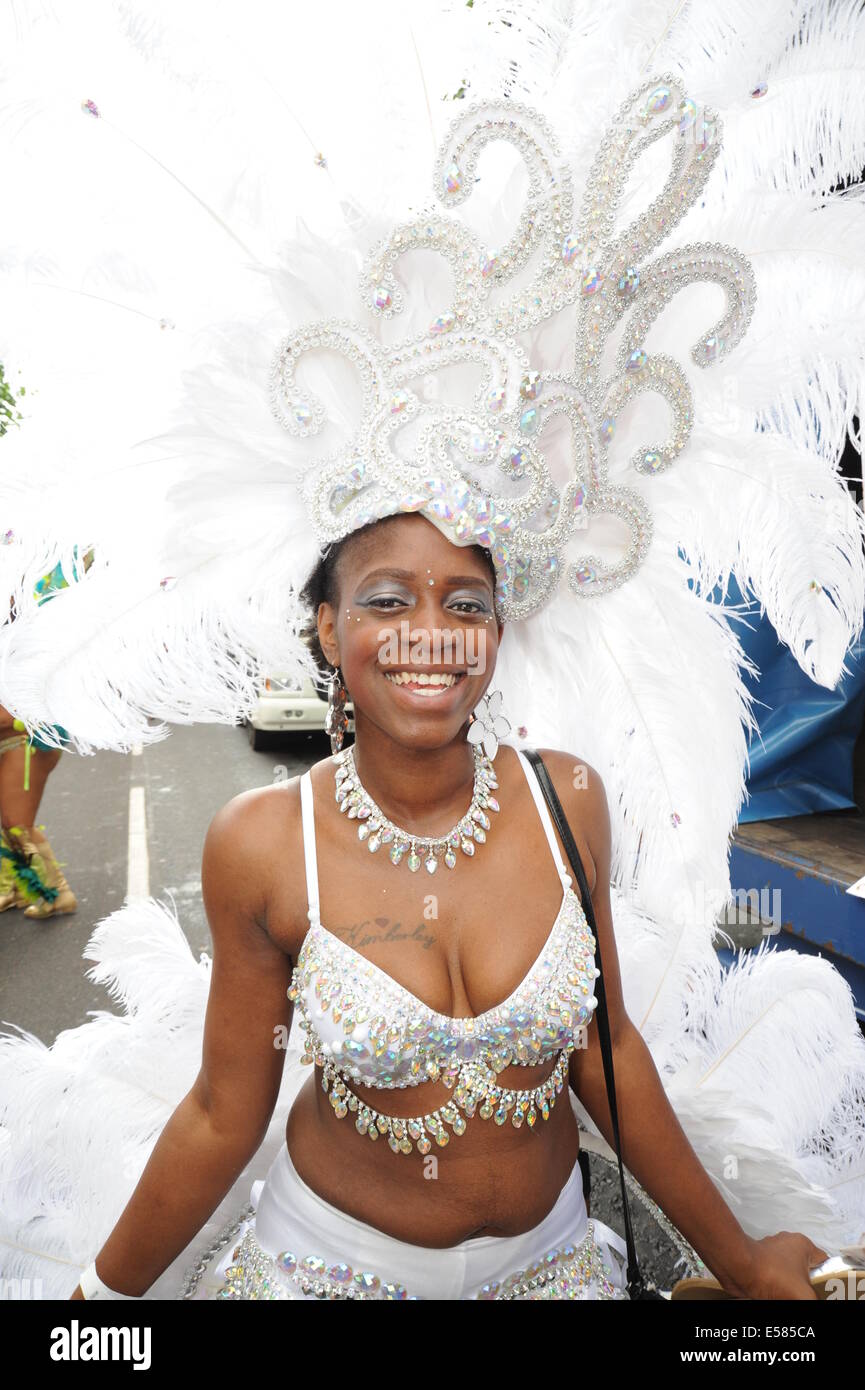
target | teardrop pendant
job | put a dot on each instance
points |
(374, 828)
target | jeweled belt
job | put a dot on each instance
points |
(564, 1271)
(475, 1091)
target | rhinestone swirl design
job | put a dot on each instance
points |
(480, 474)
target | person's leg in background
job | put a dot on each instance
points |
(30, 876)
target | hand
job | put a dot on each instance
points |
(779, 1268)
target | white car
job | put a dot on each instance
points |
(286, 705)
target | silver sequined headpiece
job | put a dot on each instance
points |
(481, 475)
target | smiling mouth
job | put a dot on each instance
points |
(431, 685)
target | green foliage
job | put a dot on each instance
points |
(9, 414)
(459, 94)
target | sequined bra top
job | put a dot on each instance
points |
(360, 1025)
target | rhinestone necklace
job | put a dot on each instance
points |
(375, 828)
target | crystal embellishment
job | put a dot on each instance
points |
(395, 1040)
(565, 1271)
(560, 255)
(356, 803)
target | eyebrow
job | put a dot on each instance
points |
(411, 574)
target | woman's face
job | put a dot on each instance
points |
(412, 604)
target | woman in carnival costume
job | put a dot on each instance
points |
(30, 875)
(460, 413)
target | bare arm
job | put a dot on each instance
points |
(220, 1124)
(654, 1146)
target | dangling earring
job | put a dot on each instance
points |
(336, 719)
(489, 724)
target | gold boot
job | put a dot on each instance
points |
(65, 900)
(51, 895)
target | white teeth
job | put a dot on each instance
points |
(440, 680)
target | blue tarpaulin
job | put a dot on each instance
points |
(801, 761)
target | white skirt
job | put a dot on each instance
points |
(298, 1246)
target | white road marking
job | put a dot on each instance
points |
(137, 857)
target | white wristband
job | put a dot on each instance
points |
(93, 1287)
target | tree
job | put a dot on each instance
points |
(9, 414)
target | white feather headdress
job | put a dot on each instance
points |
(230, 183)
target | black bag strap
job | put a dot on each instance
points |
(637, 1286)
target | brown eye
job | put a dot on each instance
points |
(382, 600)
(470, 605)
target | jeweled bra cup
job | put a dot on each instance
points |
(361, 1025)
(539, 1020)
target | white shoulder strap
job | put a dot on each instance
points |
(306, 806)
(544, 813)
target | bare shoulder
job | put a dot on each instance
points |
(249, 847)
(234, 854)
(583, 796)
(573, 775)
(253, 855)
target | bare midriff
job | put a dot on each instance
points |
(493, 1180)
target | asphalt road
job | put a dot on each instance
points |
(85, 811)
(185, 779)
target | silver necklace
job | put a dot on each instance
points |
(375, 828)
